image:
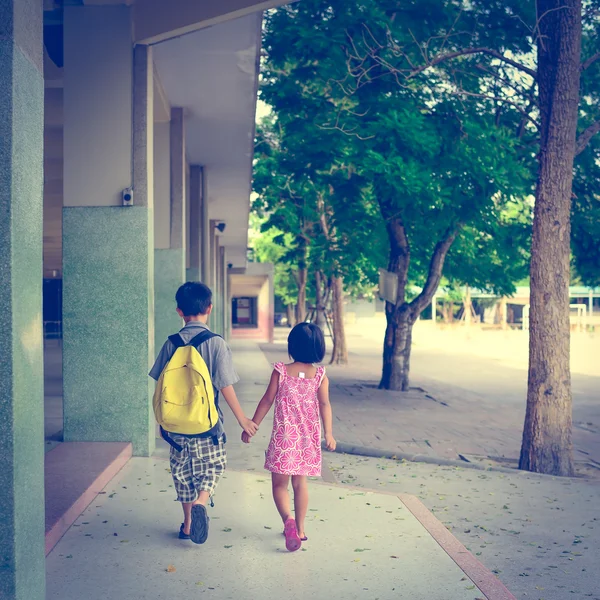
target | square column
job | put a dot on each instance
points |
(205, 231)
(170, 253)
(108, 248)
(195, 226)
(168, 261)
(22, 563)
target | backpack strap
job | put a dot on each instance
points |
(197, 341)
(201, 338)
(177, 341)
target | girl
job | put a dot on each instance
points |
(301, 395)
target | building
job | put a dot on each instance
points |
(126, 144)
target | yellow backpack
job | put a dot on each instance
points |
(184, 400)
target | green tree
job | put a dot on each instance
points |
(301, 192)
(516, 57)
(585, 234)
(436, 165)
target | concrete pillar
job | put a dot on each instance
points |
(22, 565)
(108, 248)
(205, 229)
(178, 182)
(223, 289)
(168, 261)
(215, 322)
(195, 228)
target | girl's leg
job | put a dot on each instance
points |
(281, 495)
(300, 485)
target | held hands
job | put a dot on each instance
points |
(249, 427)
(245, 437)
(330, 442)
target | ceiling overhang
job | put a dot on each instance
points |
(156, 20)
(213, 75)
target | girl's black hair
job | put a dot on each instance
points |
(306, 343)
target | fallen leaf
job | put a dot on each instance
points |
(171, 569)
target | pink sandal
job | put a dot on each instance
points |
(292, 539)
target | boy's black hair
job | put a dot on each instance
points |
(193, 298)
(306, 343)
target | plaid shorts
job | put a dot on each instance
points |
(198, 467)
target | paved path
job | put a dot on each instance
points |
(363, 544)
(465, 403)
(124, 546)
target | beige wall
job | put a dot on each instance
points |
(98, 80)
(162, 186)
(158, 20)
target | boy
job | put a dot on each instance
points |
(198, 466)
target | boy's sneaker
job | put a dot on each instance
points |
(199, 528)
(182, 535)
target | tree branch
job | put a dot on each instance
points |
(435, 270)
(468, 51)
(590, 61)
(525, 114)
(586, 135)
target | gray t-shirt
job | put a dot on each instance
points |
(216, 354)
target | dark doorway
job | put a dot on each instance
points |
(244, 313)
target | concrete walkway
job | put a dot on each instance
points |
(362, 544)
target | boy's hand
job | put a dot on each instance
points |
(245, 437)
(330, 442)
(249, 426)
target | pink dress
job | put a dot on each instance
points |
(295, 446)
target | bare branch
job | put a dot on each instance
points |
(590, 61)
(435, 270)
(586, 135)
(468, 51)
(525, 114)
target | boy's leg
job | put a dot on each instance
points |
(300, 485)
(281, 495)
(203, 498)
(209, 461)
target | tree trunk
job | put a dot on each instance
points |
(467, 307)
(396, 351)
(547, 446)
(401, 316)
(339, 355)
(320, 300)
(301, 304)
(291, 315)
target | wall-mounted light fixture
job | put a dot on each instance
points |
(221, 226)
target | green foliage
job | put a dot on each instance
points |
(271, 246)
(375, 150)
(585, 226)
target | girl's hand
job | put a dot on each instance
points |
(330, 442)
(245, 437)
(249, 426)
